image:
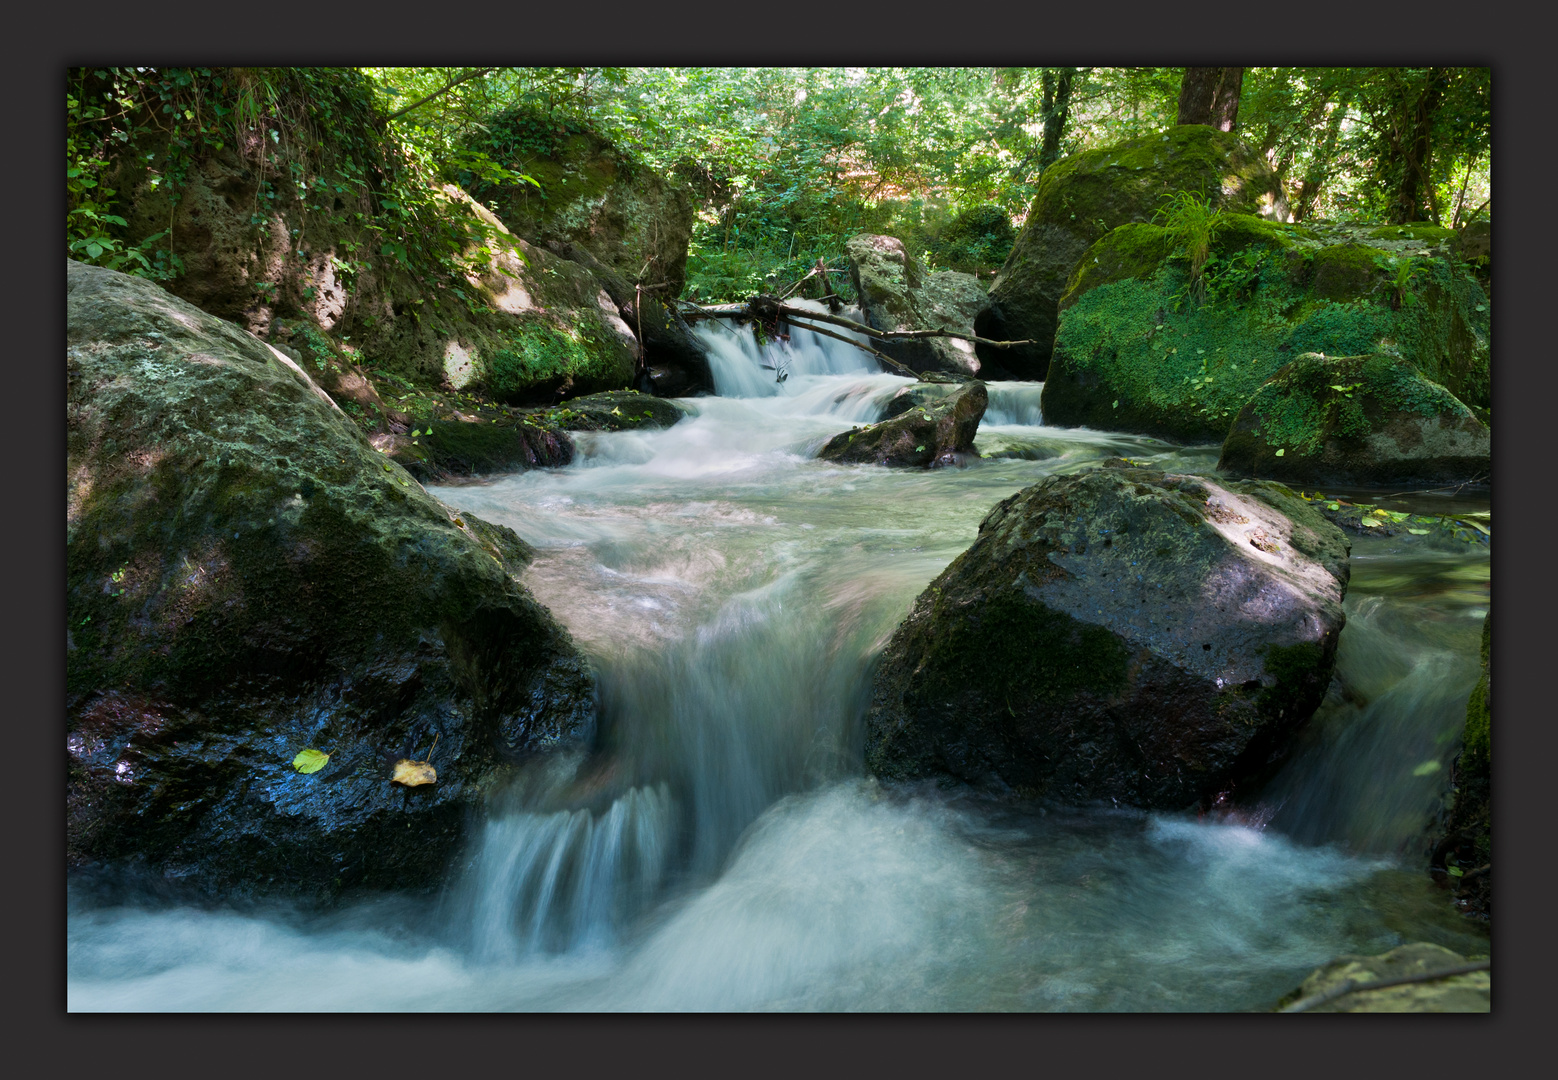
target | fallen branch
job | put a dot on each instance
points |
(901, 369)
(893, 335)
(436, 93)
(1349, 986)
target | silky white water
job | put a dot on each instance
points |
(720, 847)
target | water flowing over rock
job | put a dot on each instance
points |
(1082, 197)
(1356, 420)
(935, 433)
(1143, 347)
(1119, 634)
(247, 578)
(896, 294)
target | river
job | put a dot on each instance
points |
(722, 849)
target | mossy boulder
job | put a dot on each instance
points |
(897, 294)
(939, 432)
(1083, 197)
(1119, 634)
(1462, 856)
(444, 450)
(591, 193)
(246, 578)
(1141, 347)
(619, 410)
(1362, 420)
(1469, 992)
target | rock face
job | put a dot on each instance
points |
(897, 294)
(247, 578)
(1355, 420)
(1470, 992)
(936, 433)
(1465, 840)
(592, 193)
(1082, 197)
(448, 449)
(1140, 349)
(1118, 634)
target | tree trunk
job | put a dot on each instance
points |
(1320, 164)
(1057, 107)
(1413, 149)
(1210, 95)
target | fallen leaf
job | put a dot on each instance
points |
(413, 773)
(310, 760)
(1427, 768)
(1281, 452)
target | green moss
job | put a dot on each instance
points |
(1347, 272)
(1412, 230)
(1477, 756)
(539, 355)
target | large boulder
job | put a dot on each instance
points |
(247, 578)
(1462, 856)
(897, 294)
(1117, 634)
(1082, 197)
(938, 432)
(591, 193)
(1365, 420)
(1141, 347)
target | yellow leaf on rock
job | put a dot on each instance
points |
(414, 773)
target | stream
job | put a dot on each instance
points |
(722, 848)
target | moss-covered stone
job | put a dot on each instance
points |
(938, 432)
(898, 294)
(1355, 420)
(247, 577)
(1462, 856)
(1117, 634)
(619, 410)
(446, 449)
(591, 193)
(1138, 350)
(1083, 197)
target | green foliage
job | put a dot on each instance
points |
(1190, 218)
(310, 760)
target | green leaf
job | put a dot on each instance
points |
(1427, 768)
(919, 449)
(1282, 451)
(310, 760)
(1116, 404)
(1333, 506)
(1455, 871)
(1418, 532)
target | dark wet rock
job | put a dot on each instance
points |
(936, 433)
(920, 395)
(618, 410)
(1084, 196)
(897, 293)
(1118, 634)
(592, 193)
(1462, 856)
(445, 450)
(246, 577)
(1470, 992)
(1366, 420)
(1139, 349)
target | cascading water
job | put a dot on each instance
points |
(719, 847)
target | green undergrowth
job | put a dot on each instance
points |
(1461, 530)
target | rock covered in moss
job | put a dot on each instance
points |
(1462, 856)
(591, 192)
(1082, 197)
(938, 432)
(247, 578)
(917, 395)
(1142, 348)
(896, 294)
(444, 450)
(1367, 420)
(618, 410)
(1469, 992)
(1118, 634)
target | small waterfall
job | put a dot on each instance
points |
(1014, 403)
(744, 369)
(570, 878)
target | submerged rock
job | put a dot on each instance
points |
(1142, 348)
(246, 579)
(935, 433)
(896, 294)
(1082, 197)
(618, 410)
(1355, 420)
(1327, 989)
(1118, 634)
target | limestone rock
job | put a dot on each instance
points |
(1119, 634)
(1469, 992)
(936, 433)
(1082, 197)
(1363, 420)
(247, 577)
(896, 293)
